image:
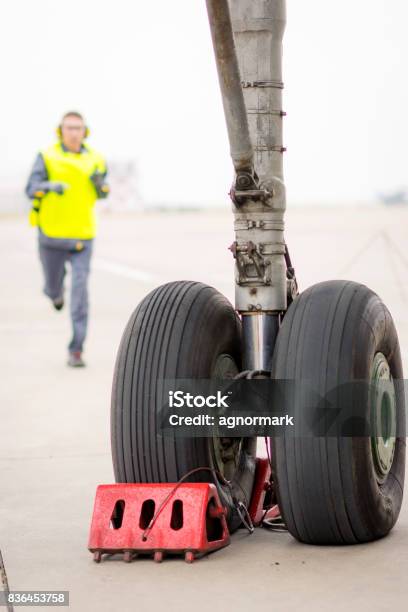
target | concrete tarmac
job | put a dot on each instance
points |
(55, 446)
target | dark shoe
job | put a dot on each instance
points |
(75, 360)
(58, 303)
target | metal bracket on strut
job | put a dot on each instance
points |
(273, 84)
(246, 187)
(292, 285)
(249, 259)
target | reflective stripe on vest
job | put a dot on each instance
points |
(71, 214)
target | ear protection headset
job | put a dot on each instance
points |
(58, 131)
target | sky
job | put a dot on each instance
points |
(144, 75)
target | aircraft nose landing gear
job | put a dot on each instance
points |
(340, 489)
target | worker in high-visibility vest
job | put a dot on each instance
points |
(66, 180)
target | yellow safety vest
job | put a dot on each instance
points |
(71, 214)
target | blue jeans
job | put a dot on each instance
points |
(55, 253)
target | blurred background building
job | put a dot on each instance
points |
(144, 76)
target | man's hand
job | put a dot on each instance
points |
(57, 187)
(101, 187)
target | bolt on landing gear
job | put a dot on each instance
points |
(331, 489)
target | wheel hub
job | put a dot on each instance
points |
(384, 412)
(226, 451)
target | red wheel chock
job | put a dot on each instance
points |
(262, 483)
(135, 518)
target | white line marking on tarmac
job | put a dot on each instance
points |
(105, 265)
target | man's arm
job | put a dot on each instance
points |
(38, 184)
(99, 180)
(37, 179)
